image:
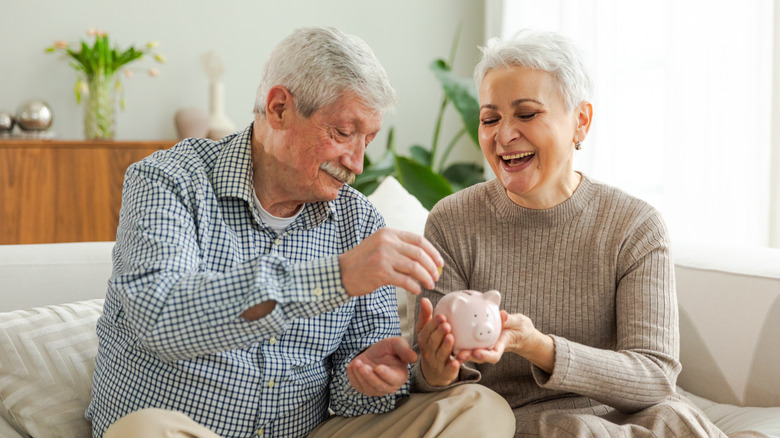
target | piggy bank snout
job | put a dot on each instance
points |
(484, 331)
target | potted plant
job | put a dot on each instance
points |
(425, 172)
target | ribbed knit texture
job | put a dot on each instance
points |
(594, 272)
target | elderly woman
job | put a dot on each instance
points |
(590, 342)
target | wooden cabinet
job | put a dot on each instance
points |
(64, 191)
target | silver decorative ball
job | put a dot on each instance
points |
(6, 121)
(34, 115)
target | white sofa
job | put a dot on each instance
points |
(729, 321)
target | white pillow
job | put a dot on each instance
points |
(402, 211)
(47, 357)
(731, 419)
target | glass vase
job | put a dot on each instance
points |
(100, 108)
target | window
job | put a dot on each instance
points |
(682, 105)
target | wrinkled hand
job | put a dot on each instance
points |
(518, 335)
(435, 339)
(390, 256)
(383, 368)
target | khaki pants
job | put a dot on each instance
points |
(463, 411)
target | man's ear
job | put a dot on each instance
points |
(277, 106)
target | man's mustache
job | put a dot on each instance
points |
(340, 173)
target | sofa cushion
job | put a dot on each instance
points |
(27, 273)
(47, 356)
(401, 211)
(729, 302)
(731, 419)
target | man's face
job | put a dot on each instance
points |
(320, 154)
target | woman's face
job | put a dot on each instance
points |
(528, 136)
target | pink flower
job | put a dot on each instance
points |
(128, 73)
(91, 32)
(153, 72)
(61, 44)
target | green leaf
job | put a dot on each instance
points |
(421, 181)
(462, 175)
(374, 173)
(421, 155)
(366, 187)
(463, 95)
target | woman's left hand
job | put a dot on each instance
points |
(519, 336)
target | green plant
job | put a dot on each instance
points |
(423, 173)
(100, 60)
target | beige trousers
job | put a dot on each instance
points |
(464, 411)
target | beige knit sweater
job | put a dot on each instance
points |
(594, 272)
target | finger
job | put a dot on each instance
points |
(420, 250)
(372, 383)
(403, 350)
(421, 271)
(393, 378)
(486, 356)
(425, 314)
(425, 244)
(444, 353)
(404, 281)
(433, 334)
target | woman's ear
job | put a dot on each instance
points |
(277, 106)
(584, 114)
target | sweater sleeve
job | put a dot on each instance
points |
(643, 368)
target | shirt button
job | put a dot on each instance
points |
(270, 383)
(317, 291)
(277, 241)
(260, 432)
(272, 341)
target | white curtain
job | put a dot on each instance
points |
(682, 107)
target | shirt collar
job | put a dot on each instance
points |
(233, 177)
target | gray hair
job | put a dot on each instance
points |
(318, 65)
(540, 50)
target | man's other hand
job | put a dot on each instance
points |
(382, 368)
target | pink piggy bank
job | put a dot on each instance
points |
(474, 317)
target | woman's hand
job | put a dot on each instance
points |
(519, 336)
(434, 336)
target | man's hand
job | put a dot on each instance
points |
(382, 368)
(434, 336)
(390, 256)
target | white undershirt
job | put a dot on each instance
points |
(278, 224)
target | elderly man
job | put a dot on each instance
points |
(252, 288)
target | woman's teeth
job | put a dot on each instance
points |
(517, 159)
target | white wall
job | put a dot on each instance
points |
(406, 36)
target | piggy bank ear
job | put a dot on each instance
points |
(493, 296)
(457, 302)
(449, 303)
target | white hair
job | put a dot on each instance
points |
(540, 50)
(319, 65)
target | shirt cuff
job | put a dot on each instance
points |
(314, 288)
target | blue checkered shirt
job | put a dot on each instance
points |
(191, 255)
